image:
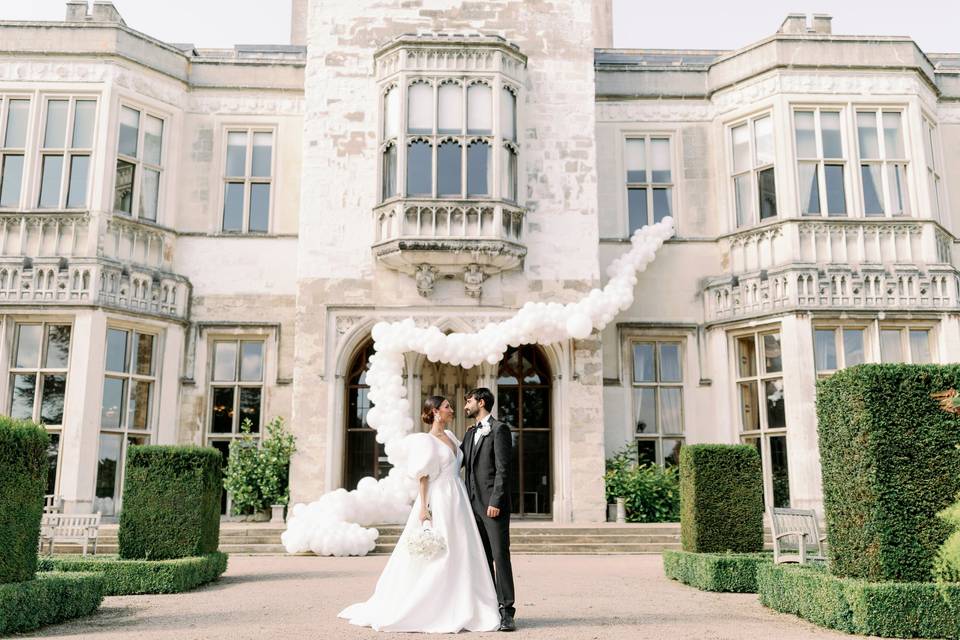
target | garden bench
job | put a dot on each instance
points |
(56, 528)
(51, 503)
(800, 525)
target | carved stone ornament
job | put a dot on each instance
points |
(426, 277)
(473, 278)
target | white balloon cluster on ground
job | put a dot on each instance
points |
(335, 524)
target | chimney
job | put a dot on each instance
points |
(77, 11)
(795, 23)
(104, 11)
(821, 23)
(298, 21)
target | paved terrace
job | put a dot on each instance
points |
(558, 597)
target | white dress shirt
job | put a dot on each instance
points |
(483, 423)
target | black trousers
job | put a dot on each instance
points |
(495, 535)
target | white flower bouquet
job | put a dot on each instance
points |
(426, 543)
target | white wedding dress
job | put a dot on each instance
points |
(451, 592)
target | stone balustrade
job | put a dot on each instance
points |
(141, 243)
(53, 234)
(837, 287)
(433, 238)
(91, 281)
(853, 241)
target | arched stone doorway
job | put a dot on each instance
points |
(362, 454)
(453, 383)
(523, 401)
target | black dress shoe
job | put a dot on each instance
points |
(507, 623)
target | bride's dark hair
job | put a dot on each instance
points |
(430, 405)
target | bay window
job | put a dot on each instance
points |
(139, 164)
(753, 179)
(14, 116)
(821, 163)
(883, 162)
(65, 150)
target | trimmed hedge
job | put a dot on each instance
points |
(171, 502)
(946, 564)
(23, 481)
(887, 609)
(733, 572)
(890, 463)
(132, 577)
(48, 599)
(721, 498)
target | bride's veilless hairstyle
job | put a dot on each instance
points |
(431, 404)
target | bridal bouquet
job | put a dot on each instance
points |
(426, 543)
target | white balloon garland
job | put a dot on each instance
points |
(333, 525)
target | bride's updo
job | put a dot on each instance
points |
(430, 405)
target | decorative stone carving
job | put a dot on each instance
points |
(473, 278)
(426, 276)
(345, 323)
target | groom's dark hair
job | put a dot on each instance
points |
(484, 395)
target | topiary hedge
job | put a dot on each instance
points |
(132, 577)
(23, 481)
(48, 599)
(721, 498)
(171, 502)
(946, 564)
(890, 463)
(732, 572)
(887, 609)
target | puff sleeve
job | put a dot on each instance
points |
(422, 456)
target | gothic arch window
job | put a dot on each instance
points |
(523, 401)
(363, 455)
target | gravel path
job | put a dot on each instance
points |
(558, 597)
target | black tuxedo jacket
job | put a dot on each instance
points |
(487, 467)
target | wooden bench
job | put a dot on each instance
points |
(796, 536)
(58, 528)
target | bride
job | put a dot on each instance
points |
(454, 590)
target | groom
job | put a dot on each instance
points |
(487, 447)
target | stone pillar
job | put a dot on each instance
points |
(81, 415)
(582, 450)
(169, 385)
(799, 386)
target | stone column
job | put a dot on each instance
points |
(81, 415)
(168, 398)
(799, 380)
(584, 450)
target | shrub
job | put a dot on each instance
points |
(23, 481)
(890, 463)
(171, 502)
(721, 498)
(132, 577)
(888, 609)
(733, 572)
(48, 599)
(652, 493)
(946, 564)
(258, 476)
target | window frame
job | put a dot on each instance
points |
(840, 352)
(764, 434)
(649, 185)
(754, 170)
(821, 161)
(658, 436)
(884, 161)
(906, 348)
(933, 161)
(140, 165)
(25, 152)
(247, 180)
(498, 184)
(126, 434)
(40, 371)
(66, 152)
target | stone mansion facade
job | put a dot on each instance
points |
(190, 237)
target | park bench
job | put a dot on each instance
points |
(51, 503)
(796, 536)
(58, 528)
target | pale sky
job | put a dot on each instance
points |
(680, 24)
